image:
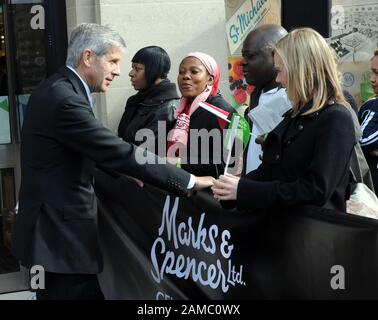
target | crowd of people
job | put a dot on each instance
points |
(304, 160)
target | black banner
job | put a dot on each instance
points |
(159, 246)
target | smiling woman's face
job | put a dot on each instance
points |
(193, 78)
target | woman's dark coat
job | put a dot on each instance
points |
(305, 161)
(145, 109)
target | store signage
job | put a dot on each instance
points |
(191, 248)
(244, 20)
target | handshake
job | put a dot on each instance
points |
(200, 183)
(224, 188)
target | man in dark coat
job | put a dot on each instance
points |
(259, 71)
(62, 142)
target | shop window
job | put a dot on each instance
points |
(30, 48)
(28, 55)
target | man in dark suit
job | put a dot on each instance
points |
(62, 142)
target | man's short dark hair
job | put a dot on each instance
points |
(156, 62)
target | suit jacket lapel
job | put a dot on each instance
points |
(76, 83)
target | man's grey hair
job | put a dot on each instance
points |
(100, 39)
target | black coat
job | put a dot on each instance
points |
(213, 164)
(56, 226)
(368, 117)
(145, 109)
(305, 161)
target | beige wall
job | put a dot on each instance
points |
(179, 26)
(79, 11)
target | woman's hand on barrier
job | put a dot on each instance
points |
(225, 188)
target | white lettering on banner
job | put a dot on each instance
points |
(244, 20)
(214, 275)
(163, 296)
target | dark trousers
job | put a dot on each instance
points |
(60, 286)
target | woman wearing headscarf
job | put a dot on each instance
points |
(198, 81)
(306, 157)
(156, 100)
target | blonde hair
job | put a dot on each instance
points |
(311, 67)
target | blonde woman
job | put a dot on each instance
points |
(306, 157)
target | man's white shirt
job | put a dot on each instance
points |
(272, 105)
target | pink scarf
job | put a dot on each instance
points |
(178, 136)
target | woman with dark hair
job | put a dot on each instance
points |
(156, 99)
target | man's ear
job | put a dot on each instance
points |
(87, 57)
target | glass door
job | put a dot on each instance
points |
(29, 44)
(23, 56)
(9, 268)
(33, 45)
